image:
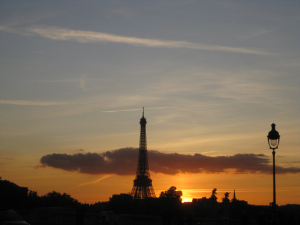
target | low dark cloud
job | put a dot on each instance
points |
(124, 162)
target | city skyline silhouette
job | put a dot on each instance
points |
(212, 76)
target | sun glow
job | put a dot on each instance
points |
(186, 200)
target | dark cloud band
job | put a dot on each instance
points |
(124, 162)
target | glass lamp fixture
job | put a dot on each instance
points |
(273, 137)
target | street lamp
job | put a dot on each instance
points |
(273, 140)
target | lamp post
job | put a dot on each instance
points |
(273, 140)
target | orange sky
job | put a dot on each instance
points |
(254, 188)
(212, 75)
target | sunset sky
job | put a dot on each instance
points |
(212, 75)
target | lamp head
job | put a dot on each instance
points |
(273, 137)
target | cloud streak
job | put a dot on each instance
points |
(123, 162)
(129, 110)
(31, 103)
(95, 181)
(63, 34)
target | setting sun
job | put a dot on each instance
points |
(75, 77)
(186, 200)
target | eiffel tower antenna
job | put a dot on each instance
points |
(142, 185)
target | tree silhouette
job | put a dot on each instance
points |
(171, 194)
(57, 199)
(33, 199)
(170, 202)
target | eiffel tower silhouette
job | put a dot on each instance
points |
(142, 187)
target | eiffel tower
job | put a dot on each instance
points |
(142, 187)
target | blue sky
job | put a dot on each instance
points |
(212, 76)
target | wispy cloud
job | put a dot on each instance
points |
(9, 158)
(128, 110)
(258, 33)
(120, 110)
(95, 181)
(62, 34)
(123, 162)
(31, 103)
(82, 81)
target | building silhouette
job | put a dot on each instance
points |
(234, 198)
(142, 187)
